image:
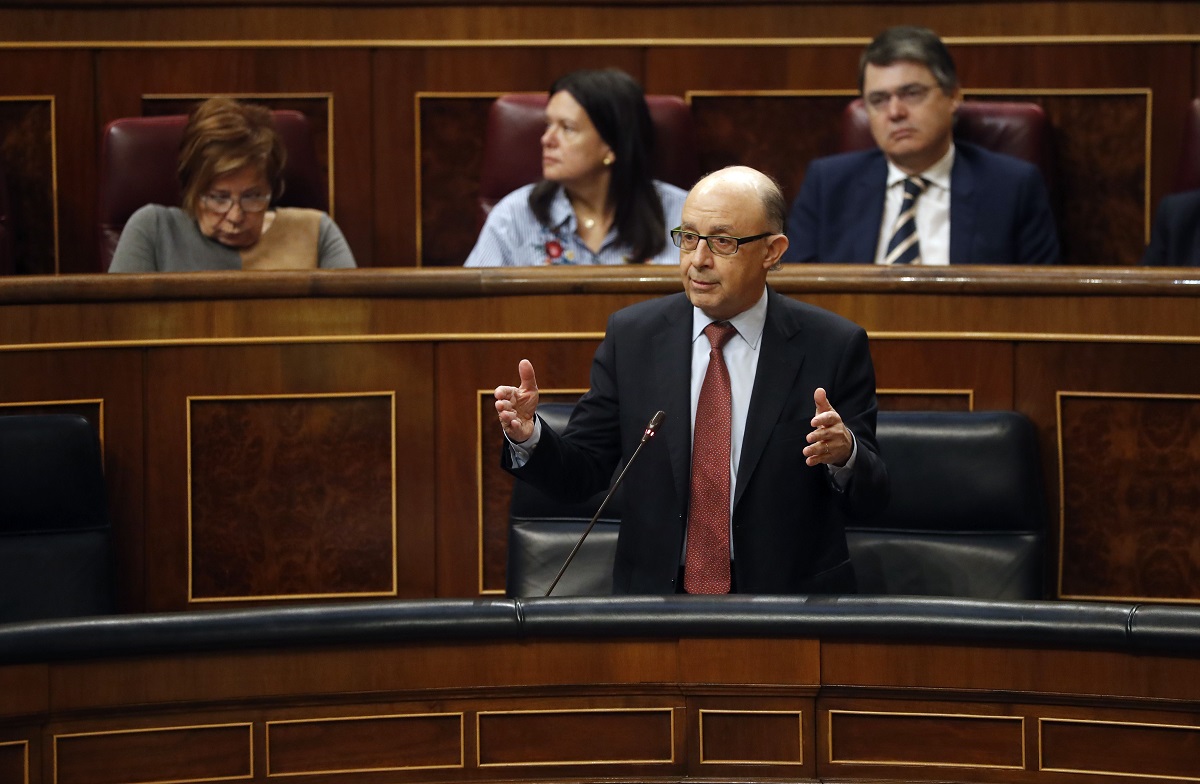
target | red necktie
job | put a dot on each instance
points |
(706, 567)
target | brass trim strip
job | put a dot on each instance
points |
(943, 392)
(481, 714)
(799, 729)
(191, 597)
(250, 745)
(1132, 724)
(462, 752)
(901, 763)
(489, 337)
(574, 43)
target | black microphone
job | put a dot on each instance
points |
(651, 428)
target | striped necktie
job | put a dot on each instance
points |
(903, 247)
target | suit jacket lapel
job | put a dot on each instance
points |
(778, 364)
(872, 187)
(671, 360)
(962, 208)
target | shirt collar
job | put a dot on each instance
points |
(749, 323)
(561, 214)
(938, 174)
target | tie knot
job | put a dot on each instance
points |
(719, 333)
(914, 186)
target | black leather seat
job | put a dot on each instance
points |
(542, 531)
(967, 513)
(55, 548)
(966, 519)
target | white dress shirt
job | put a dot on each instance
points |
(933, 211)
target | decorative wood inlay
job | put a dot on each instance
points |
(1128, 749)
(28, 166)
(1125, 535)
(291, 496)
(218, 752)
(752, 737)
(881, 738)
(358, 744)
(576, 737)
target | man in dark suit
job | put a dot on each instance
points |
(920, 197)
(1175, 236)
(791, 472)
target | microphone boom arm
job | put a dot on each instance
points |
(651, 429)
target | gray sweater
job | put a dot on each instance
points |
(167, 239)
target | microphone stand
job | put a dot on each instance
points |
(651, 429)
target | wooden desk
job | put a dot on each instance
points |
(328, 435)
(754, 689)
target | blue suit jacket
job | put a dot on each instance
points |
(999, 210)
(787, 517)
(1175, 236)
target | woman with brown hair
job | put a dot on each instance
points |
(230, 167)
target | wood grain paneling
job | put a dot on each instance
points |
(49, 155)
(612, 737)
(1111, 748)
(1122, 537)
(365, 370)
(962, 740)
(292, 496)
(469, 454)
(364, 744)
(182, 754)
(752, 737)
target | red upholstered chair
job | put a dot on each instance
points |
(1187, 177)
(512, 154)
(139, 160)
(1018, 129)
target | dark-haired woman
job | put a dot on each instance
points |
(596, 203)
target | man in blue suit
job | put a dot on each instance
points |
(1175, 236)
(920, 197)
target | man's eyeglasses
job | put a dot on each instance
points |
(222, 203)
(909, 95)
(717, 243)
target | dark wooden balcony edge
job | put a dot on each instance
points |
(468, 283)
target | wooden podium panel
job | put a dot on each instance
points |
(330, 435)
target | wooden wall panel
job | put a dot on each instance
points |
(201, 753)
(364, 371)
(61, 80)
(1049, 371)
(468, 452)
(364, 744)
(292, 496)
